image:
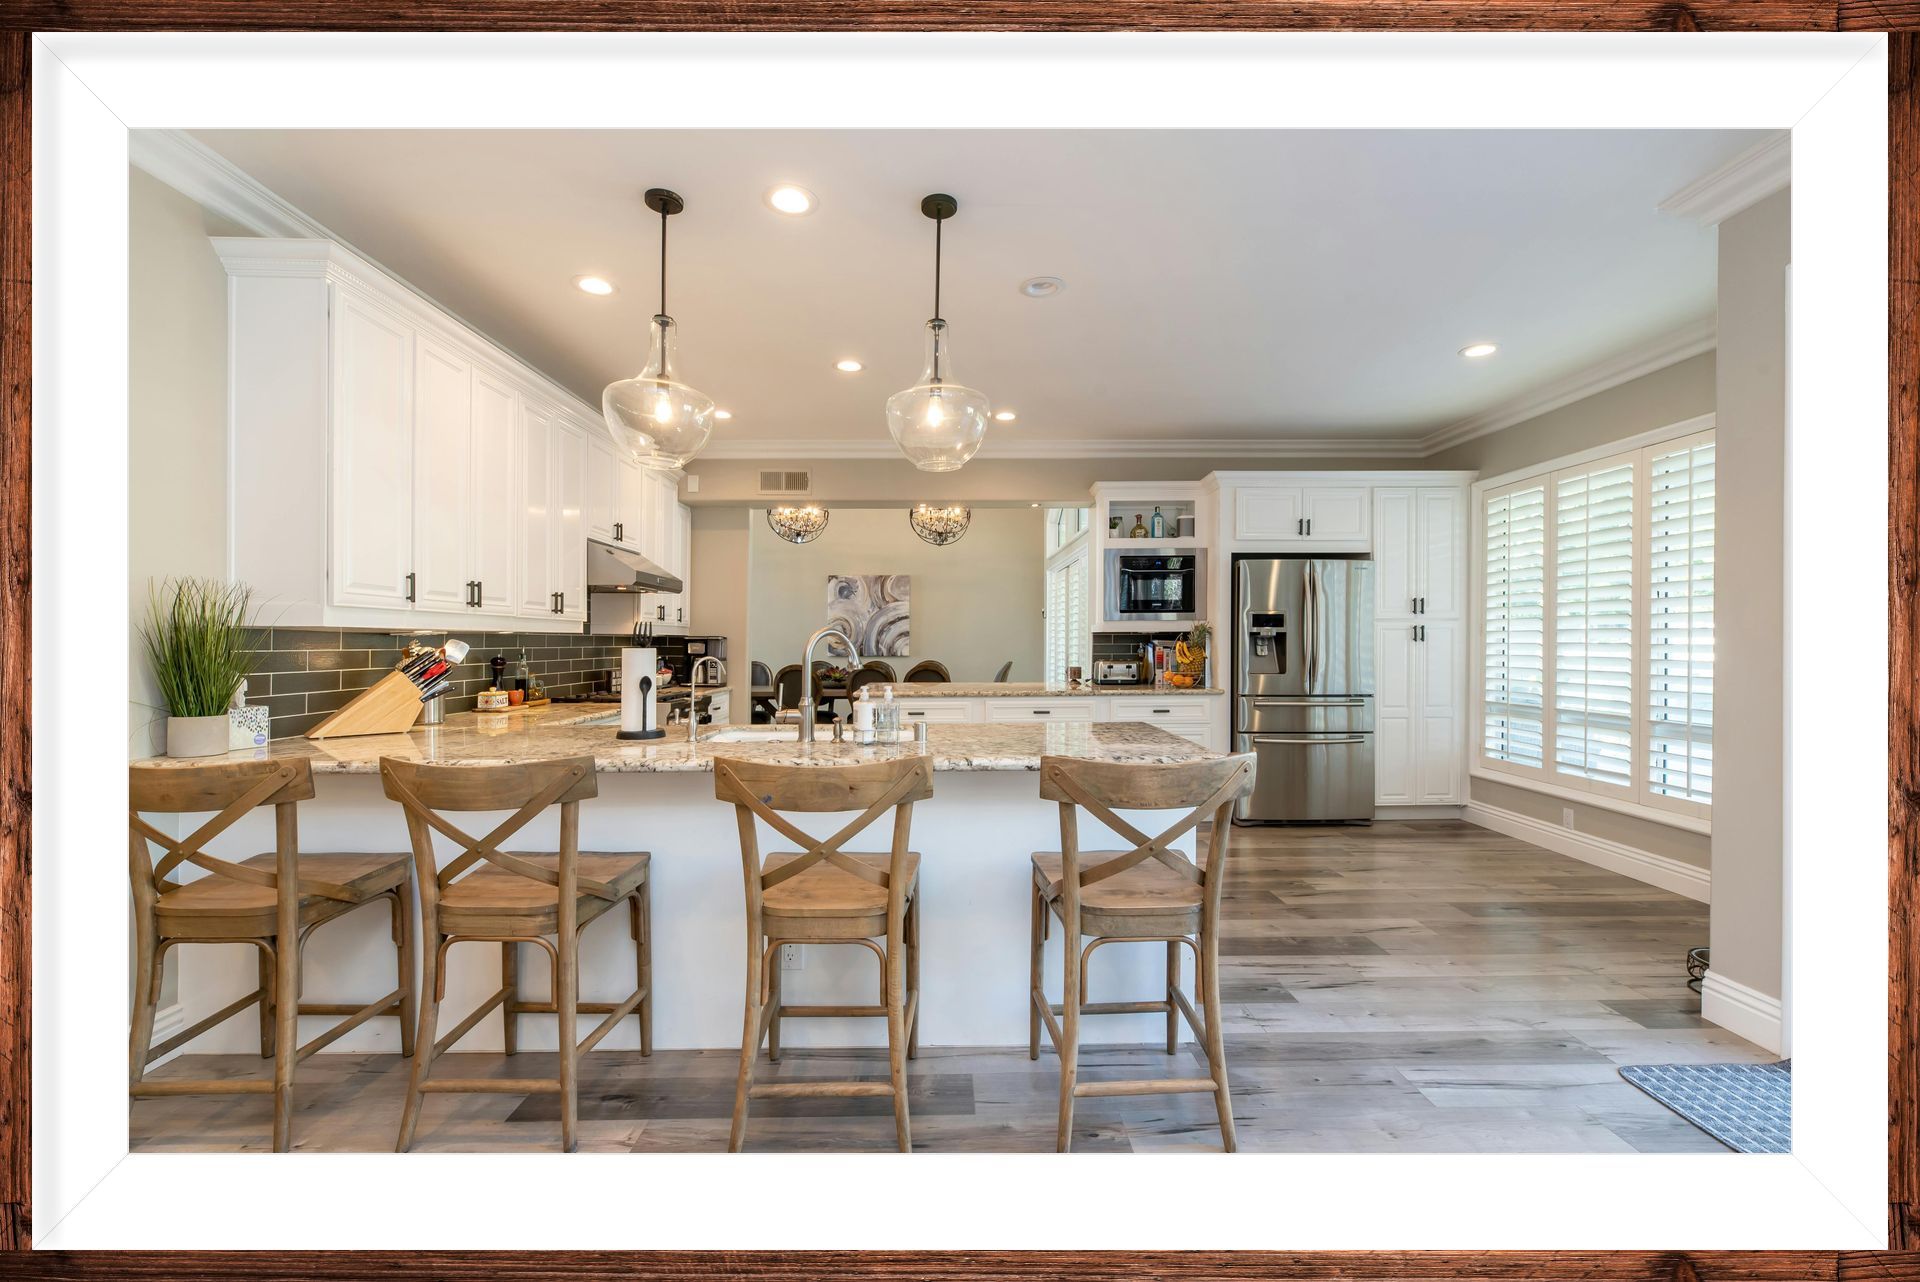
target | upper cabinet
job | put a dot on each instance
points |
(1331, 518)
(1419, 547)
(457, 482)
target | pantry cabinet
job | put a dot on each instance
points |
(1419, 713)
(457, 489)
(1419, 548)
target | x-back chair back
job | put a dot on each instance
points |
(1151, 892)
(798, 897)
(272, 902)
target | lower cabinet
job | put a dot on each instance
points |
(949, 710)
(1032, 710)
(1189, 717)
(1419, 714)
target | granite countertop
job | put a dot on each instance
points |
(568, 730)
(1034, 690)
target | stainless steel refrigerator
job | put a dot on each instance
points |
(1303, 687)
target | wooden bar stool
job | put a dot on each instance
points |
(273, 902)
(485, 894)
(824, 895)
(1151, 893)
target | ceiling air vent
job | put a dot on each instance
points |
(786, 483)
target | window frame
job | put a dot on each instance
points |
(1639, 799)
(1062, 559)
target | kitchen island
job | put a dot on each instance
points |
(975, 836)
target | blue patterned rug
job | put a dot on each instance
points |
(1747, 1107)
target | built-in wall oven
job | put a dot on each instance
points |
(1156, 585)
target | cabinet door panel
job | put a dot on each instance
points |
(569, 488)
(1439, 715)
(1394, 714)
(1394, 556)
(442, 477)
(1338, 515)
(497, 509)
(683, 564)
(536, 587)
(1269, 513)
(605, 491)
(1442, 551)
(372, 426)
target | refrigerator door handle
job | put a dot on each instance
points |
(1307, 604)
(1310, 701)
(1308, 739)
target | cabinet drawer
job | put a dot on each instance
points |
(934, 709)
(1185, 709)
(1039, 709)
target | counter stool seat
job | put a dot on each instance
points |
(492, 900)
(1147, 893)
(218, 908)
(829, 897)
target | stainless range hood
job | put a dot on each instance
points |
(614, 567)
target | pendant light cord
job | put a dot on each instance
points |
(663, 260)
(938, 224)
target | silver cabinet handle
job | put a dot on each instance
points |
(409, 585)
(1308, 742)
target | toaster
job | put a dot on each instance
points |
(1116, 672)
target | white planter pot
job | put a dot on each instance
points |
(197, 736)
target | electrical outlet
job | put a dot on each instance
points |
(1566, 817)
(791, 958)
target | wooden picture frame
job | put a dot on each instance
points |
(1903, 816)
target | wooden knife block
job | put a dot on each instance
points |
(390, 706)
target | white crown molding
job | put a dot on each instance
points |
(1745, 1011)
(1742, 182)
(879, 447)
(211, 180)
(1668, 349)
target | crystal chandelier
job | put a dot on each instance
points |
(797, 524)
(654, 416)
(939, 525)
(938, 423)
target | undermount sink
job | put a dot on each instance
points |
(784, 734)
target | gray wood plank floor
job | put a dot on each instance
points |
(1409, 987)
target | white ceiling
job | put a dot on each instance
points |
(1252, 286)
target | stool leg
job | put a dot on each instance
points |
(566, 990)
(266, 1002)
(1173, 986)
(286, 1015)
(403, 941)
(510, 980)
(897, 1039)
(749, 1041)
(145, 981)
(1069, 1035)
(1036, 983)
(913, 973)
(774, 968)
(1216, 1036)
(643, 941)
(423, 1039)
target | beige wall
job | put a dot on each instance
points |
(975, 604)
(1596, 821)
(1680, 391)
(176, 416)
(1749, 820)
(719, 589)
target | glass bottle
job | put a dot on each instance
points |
(522, 674)
(1139, 530)
(1159, 523)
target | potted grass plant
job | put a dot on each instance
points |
(196, 638)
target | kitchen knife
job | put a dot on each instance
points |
(436, 689)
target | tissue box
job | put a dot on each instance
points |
(248, 727)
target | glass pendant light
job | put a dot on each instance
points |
(654, 416)
(938, 423)
(940, 525)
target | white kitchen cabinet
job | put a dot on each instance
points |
(372, 541)
(1332, 518)
(442, 498)
(946, 711)
(435, 505)
(1419, 713)
(1419, 552)
(607, 491)
(496, 493)
(1190, 716)
(535, 597)
(683, 565)
(1034, 711)
(630, 527)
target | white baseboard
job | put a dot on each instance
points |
(167, 1021)
(1655, 870)
(1743, 1010)
(1387, 814)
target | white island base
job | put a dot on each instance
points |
(975, 837)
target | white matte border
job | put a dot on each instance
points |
(1830, 89)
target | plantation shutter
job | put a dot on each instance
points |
(1593, 623)
(1514, 654)
(1680, 622)
(1068, 638)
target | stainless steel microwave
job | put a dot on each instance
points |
(1156, 585)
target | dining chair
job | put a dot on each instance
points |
(1006, 670)
(928, 670)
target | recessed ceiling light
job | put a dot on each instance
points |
(789, 199)
(1005, 416)
(1479, 351)
(1042, 286)
(849, 366)
(723, 414)
(593, 285)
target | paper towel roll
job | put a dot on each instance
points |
(638, 718)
